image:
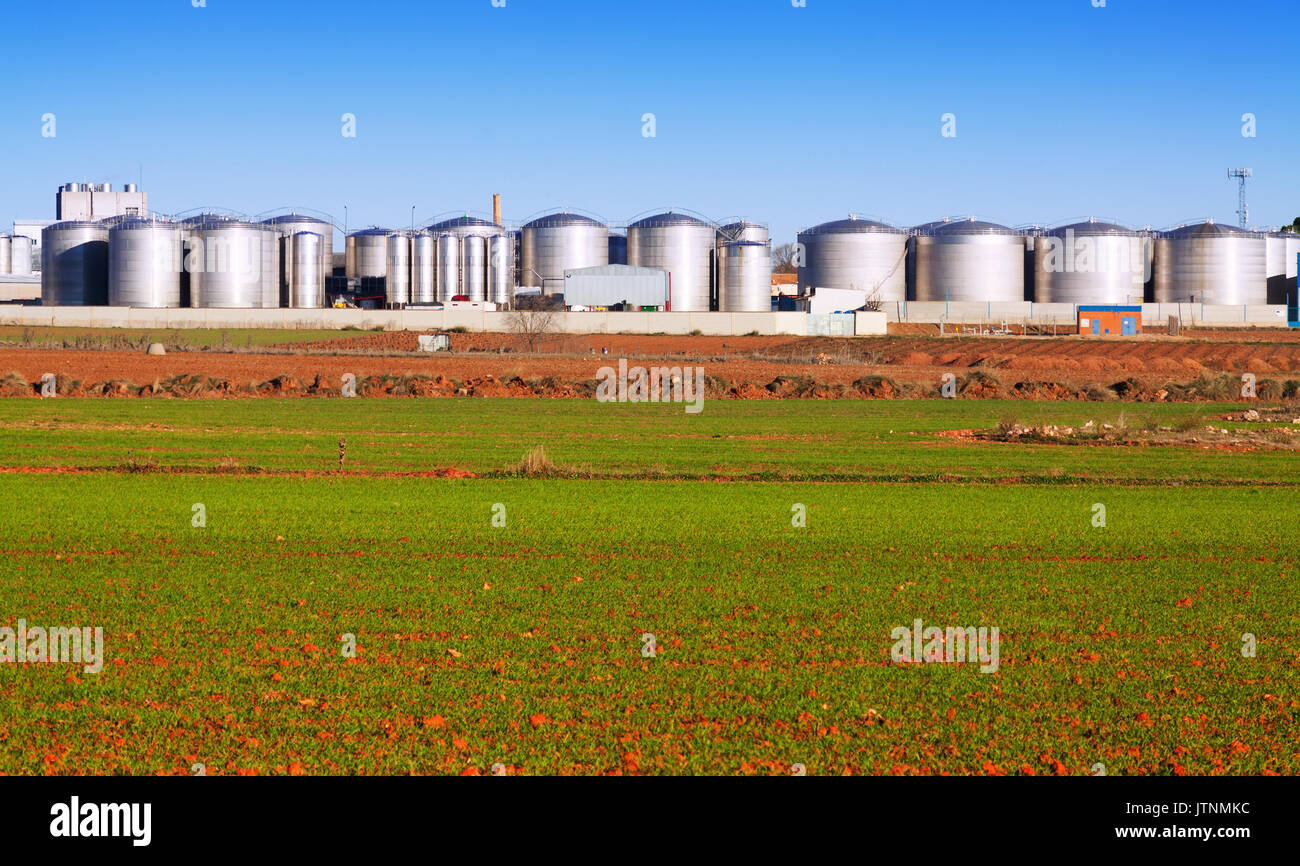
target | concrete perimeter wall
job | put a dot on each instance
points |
(1019, 312)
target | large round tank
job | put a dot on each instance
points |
(144, 264)
(501, 269)
(617, 249)
(289, 225)
(227, 263)
(424, 273)
(465, 226)
(6, 261)
(968, 260)
(1090, 263)
(448, 267)
(475, 276)
(1212, 264)
(1291, 288)
(558, 242)
(367, 253)
(855, 253)
(398, 269)
(302, 265)
(747, 278)
(1280, 250)
(74, 264)
(681, 245)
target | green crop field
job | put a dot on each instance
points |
(477, 644)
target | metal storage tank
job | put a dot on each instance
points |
(747, 278)
(1090, 262)
(6, 261)
(302, 266)
(398, 268)
(144, 264)
(501, 269)
(968, 260)
(855, 253)
(1210, 263)
(227, 263)
(20, 256)
(1292, 255)
(367, 253)
(617, 249)
(424, 273)
(74, 264)
(475, 277)
(558, 242)
(288, 225)
(448, 267)
(465, 226)
(681, 245)
(742, 230)
(1280, 250)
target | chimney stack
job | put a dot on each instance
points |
(496, 208)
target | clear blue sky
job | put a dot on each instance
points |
(786, 115)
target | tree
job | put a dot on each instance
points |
(531, 323)
(783, 259)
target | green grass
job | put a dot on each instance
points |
(210, 338)
(1119, 645)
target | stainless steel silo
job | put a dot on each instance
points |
(74, 264)
(1211, 263)
(1280, 249)
(367, 253)
(424, 273)
(398, 269)
(226, 263)
(448, 267)
(475, 268)
(289, 225)
(857, 254)
(20, 256)
(145, 258)
(1291, 288)
(742, 230)
(968, 260)
(558, 242)
(274, 294)
(306, 283)
(501, 269)
(6, 261)
(1090, 263)
(465, 226)
(681, 245)
(747, 278)
(617, 249)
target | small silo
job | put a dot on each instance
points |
(288, 225)
(74, 264)
(145, 261)
(617, 249)
(747, 277)
(1211, 263)
(501, 269)
(302, 265)
(1090, 262)
(1280, 250)
(968, 260)
(20, 256)
(398, 270)
(227, 263)
(475, 267)
(6, 261)
(448, 267)
(1292, 266)
(424, 273)
(367, 253)
(682, 245)
(552, 244)
(855, 253)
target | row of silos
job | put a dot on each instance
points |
(1085, 262)
(15, 256)
(465, 257)
(208, 260)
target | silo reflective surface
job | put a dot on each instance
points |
(475, 270)
(424, 274)
(1090, 263)
(747, 285)
(20, 256)
(501, 269)
(465, 226)
(968, 260)
(742, 230)
(367, 253)
(559, 242)
(144, 264)
(448, 267)
(74, 264)
(857, 254)
(1211, 263)
(617, 249)
(306, 283)
(5, 253)
(398, 269)
(227, 263)
(681, 245)
(289, 225)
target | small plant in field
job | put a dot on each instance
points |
(536, 464)
(343, 451)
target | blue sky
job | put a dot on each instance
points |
(785, 115)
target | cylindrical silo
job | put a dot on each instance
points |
(968, 260)
(558, 242)
(1211, 263)
(289, 225)
(501, 269)
(1090, 263)
(475, 267)
(1280, 249)
(274, 295)
(20, 256)
(448, 267)
(681, 245)
(1291, 288)
(226, 263)
(144, 264)
(857, 254)
(302, 265)
(617, 249)
(424, 274)
(742, 230)
(747, 278)
(367, 253)
(6, 262)
(398, 269)
(74, 264)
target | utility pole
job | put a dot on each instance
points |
(1243, 209)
